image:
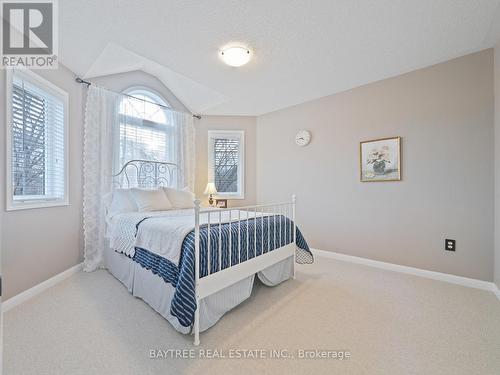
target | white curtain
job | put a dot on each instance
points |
(101, 117)
(114, 133)
(184, 148)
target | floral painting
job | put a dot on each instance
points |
(381, 160)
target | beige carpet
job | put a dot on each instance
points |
(390, 323)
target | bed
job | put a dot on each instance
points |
(194, 264)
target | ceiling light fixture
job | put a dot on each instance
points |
(235, 56)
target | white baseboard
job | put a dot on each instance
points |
(496, 291)
(464, 281)
(37, 289)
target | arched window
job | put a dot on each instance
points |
(150, 105)
(146, 131)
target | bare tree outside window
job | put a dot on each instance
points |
(28, 142)
(226, 160)
(37, 148)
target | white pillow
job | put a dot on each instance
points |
(180, 198)
(151, 200)
(121, 202)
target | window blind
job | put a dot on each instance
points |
(141, 139)
(38, 143)
(145, 131)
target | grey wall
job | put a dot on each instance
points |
(40, 243)
(497, 164)
(248, 124)
(445, 115)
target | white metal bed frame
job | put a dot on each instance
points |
(155, 173)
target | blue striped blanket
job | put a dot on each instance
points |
(238, 244)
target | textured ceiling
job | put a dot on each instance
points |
(303, 49)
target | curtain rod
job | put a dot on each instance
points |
(79, 80)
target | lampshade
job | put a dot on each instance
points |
(210, 189)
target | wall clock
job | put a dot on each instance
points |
(303, 138)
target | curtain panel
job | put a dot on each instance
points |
(116, 130)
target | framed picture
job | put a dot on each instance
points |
(221, 203)
(380, 160)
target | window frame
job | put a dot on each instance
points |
(158, 100)
(229, 134)
(44, 85)
(149, 92)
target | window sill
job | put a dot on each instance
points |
(12, 206)
(229, 196)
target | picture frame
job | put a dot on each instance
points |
(380, 160)
(221, 203)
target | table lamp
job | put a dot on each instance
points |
(210, 190)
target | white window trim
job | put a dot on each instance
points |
(148, 90)
(241, 166)
(12, 205)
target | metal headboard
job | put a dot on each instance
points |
(145, 174)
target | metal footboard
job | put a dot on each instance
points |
(218, 277)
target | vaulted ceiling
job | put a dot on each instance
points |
(304, 49)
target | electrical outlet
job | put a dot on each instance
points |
(450, 245)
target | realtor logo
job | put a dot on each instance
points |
(29, 34)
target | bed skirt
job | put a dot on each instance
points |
(158, 294)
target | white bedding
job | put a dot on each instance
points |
(163, 234)
(164, 231)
